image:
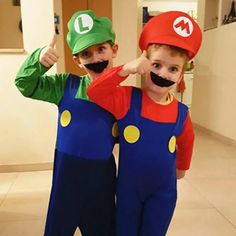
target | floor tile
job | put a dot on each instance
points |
(200, 222)
(220, 192)
(77, 232)
(35, 179)
(24, 205)
(22, 228)
(217, 168)
(6, 181)
(189, 197)
(2, 197)
(229, 213)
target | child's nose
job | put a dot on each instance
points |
(163, 73)
(96, 57)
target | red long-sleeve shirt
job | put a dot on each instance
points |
(107, 93)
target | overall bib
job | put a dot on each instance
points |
(146, 187)
(84, 176)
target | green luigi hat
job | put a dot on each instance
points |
(86, 30)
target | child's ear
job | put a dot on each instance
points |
(114, 48)
(77, 61)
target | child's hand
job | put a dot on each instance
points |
(140, 65)
(180, 174)
(49, 56)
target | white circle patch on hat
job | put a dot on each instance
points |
(183, 26)
(83, 24)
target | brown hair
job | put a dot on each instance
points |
(173, 51)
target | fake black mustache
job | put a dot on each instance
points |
(97, 67)
(160, 81)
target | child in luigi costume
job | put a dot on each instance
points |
(84, 174)
(155, 130)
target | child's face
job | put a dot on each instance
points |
(96, 54)
(166, 64)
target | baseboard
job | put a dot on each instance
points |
(216, 135)
(26, 167)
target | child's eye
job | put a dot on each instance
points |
(174, 69)
(84, 54)
(156, 65)
(101, 48)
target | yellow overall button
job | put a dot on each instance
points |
(131, 134)
(65, 118)
(172, 144)
(115, 130)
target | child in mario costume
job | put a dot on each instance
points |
(84, 174)
(155, 130)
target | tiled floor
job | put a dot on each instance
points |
(206, 204)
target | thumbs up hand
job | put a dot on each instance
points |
(140, 65)
(49, 56)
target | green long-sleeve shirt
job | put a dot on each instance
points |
(32, 83)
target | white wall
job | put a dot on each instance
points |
(214, 96)
(126, 19)
(27, 126)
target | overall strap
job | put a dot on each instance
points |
(182, 115)
(136, 99)
(72, 85)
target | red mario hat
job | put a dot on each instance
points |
(174, 28)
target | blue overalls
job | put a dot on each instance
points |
(146, 187)
(83, 188)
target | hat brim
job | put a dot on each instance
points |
(88, 41)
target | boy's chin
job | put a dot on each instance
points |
(159, 89)
(93, 75)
